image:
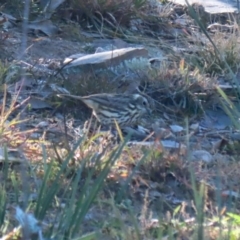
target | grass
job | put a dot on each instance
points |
(67, 198)
(88, 202)
(99, 190)
(118, 11)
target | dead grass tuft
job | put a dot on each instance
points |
(177, 89)
(209, 62)
(111, 13)
(91, 84)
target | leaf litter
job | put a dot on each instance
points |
(165, 175)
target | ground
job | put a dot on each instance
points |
(181, 174)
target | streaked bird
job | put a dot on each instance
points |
(125, 109)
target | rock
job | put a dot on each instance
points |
(216, 119)
(45, 26)
(107, 59)
(140, 133)
(194, 126)
(213, 6)
(176, 128)
(201, 155)
(167, 146)
(217, 27)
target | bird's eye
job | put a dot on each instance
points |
(144, 103)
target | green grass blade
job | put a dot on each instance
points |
(47, 193)
(84, 204)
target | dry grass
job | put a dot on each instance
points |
(108, 189)
(139, 183)
(112, 14)
(207, 60)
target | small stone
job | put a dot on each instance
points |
(176, 128)
(201, 155)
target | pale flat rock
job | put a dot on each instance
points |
(216, 119)
(213, 6)
(108, 58)
(201, 155)
(176, 128)
(12, 156)
(167, 146)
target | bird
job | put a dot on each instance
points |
(125, 109)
